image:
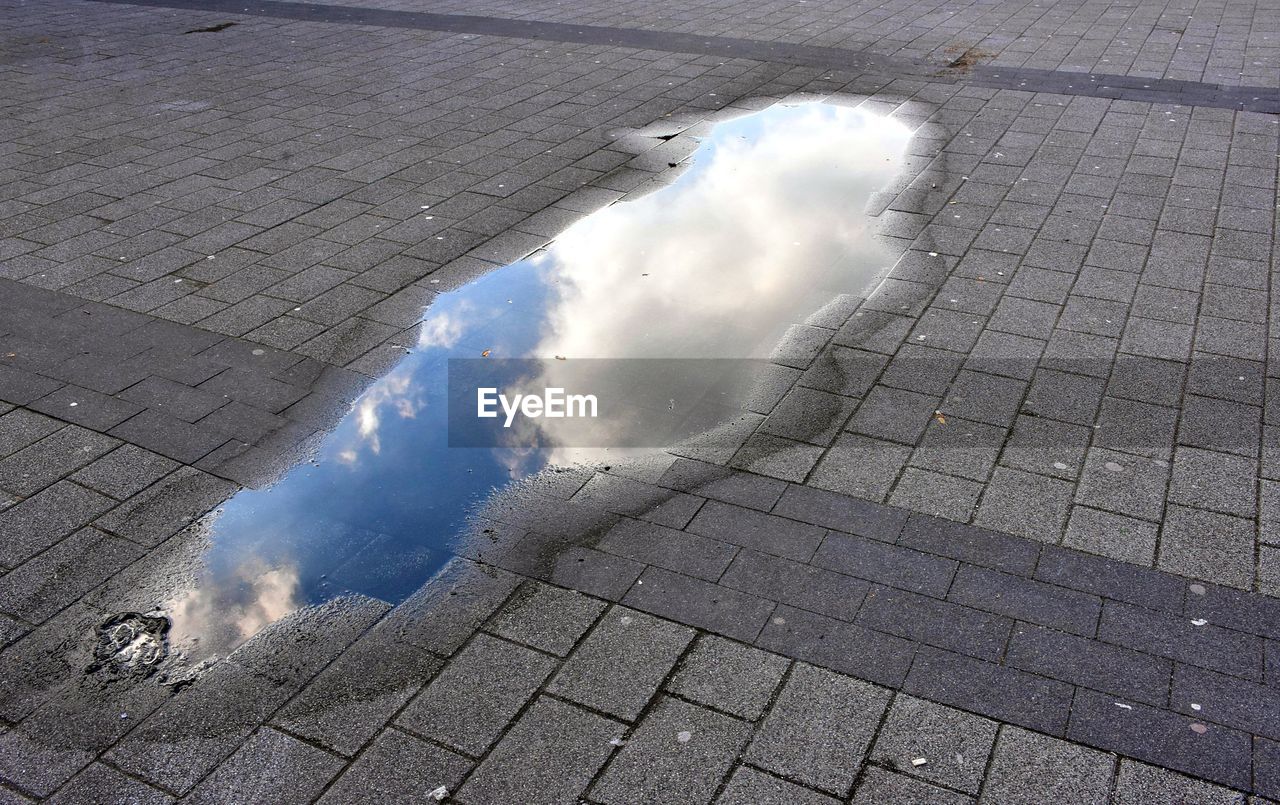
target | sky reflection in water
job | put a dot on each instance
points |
(765, 227)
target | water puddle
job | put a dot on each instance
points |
(765, 226)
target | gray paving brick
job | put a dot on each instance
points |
(750, 786)
(98, 782)
(40, 587)
(34, 467)
(894, 415)
(729, 676)
(954, 744)
(881, 785)
(840, 512)
(170, 504)
(938, 623)
(861, 467)
(398, 768)
(1123, 484)
(1207, 545)
(1025, 504)
(719, 483)
(1138, 782)
(45, 518)
(124, 471)
(357, 695)
(195, 731)
(269, 766)
(679, 753)
(546, 618)
(1028, 768)
(620, 665)
(549, 756)
(819, 729)
(472, 699)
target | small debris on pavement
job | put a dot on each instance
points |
(920, 761)
(1198, 622)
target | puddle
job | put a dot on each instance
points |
(765, 226)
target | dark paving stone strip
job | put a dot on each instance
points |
(1095, 85)
(1130, 88)
(728, 47)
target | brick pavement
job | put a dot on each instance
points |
(209, 251)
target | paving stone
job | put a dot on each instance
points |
(665, 547)
(34, 467)
(195, 731)
(955, 744)
(845, 647)
(1025, 504)
(353, 698)
(1090, 663)
(41, 520)
(1028, 768)
(1127, 539)
(762, 532)
(840, 512)
(38, 588)
(98, 782)
(1206, 645)
(707, 606)
(546, 618)
(472, 699)
(978, 546)
(750, 786)
(819, 729)
(1138, 782)
(679, 753)
(443, 613)
(621, 663)
(398, 768)
(729, 676)
(1004, 694)
(1219, 754)
(162, 509)
(549, 756)
(1111, 579)
(860, 467)
(880, 785)
(1123, 484)
(720, 483)
(269, 766)
(796, 584)
(1026, 600)
(927, 620)
(1218, 481)
(1207, 545)
(887, 564)
(124, 471)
